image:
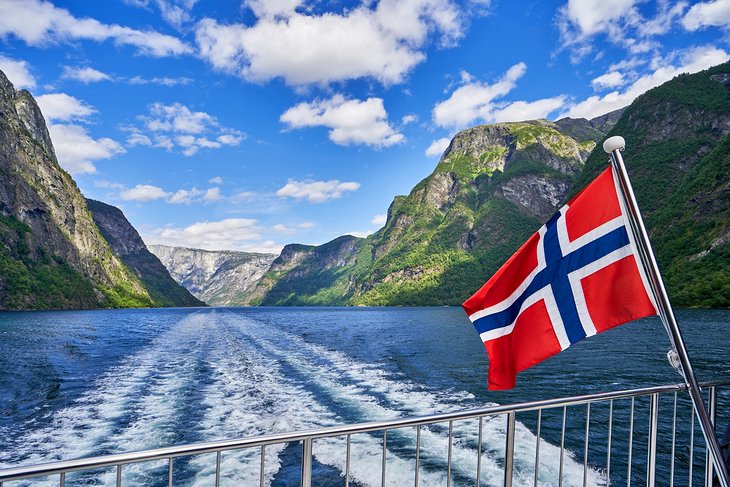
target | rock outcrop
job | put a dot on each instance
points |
(51, 252)
(220, 278)
(129, 246)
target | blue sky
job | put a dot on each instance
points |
(249, 125)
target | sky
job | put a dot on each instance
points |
(247, 125)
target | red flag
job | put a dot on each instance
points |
(577, 276)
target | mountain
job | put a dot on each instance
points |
(128, 245)
(219, 278)
(492, 188)
(678, 154)
(496, 184)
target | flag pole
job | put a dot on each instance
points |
(613, 146)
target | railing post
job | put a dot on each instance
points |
(712, 412)
(307, 462)
(651, 451)
(509, 450)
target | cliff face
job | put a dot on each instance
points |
(51, 252)
(220, 278)
(128, 245)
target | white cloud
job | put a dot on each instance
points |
(39, 23)
(216, 180)
(144, 192)
(185, 196)
(474, 100)
(76, 150)
(317, 191)
(85, 75)
(227, 234)
(379, 220)
(359, 233)
(438, 147)
(382, 40)
(60, 106)
(213, 194)
(408, 119)
(160, 80)
(18, 72)
(175, 12)
(593, 16)
(707, 14)
(282, 229)
(349, 121)
(691, 61)
(612, 79)
(177, 126)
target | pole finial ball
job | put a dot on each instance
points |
(614, 143)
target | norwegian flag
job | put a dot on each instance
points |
(577, 276)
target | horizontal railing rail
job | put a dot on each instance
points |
(306, 437)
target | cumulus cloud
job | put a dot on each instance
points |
(185, 196)
(144, 192)
(174, 12)
(76, 150)
(177, 126)
(707, 14)
(382, 40)
(379, 220)
(85, 74)
(608, 80)
(18, 72)
(227, 234)
(38, 23)
(317, 191)
(160, 80)
(691, 61)
(351, 122)
(408, 119)
(474, 100)
(282, 229)
(213, 194)
(63, 107)
(438, 147)
(216, 180)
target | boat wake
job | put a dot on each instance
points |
(219, 374)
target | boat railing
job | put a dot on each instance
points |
(598, 453)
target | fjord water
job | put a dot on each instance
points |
(75, 384)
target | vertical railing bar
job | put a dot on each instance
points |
(608, 448)
(418, 453)
(631, 443)
(307, 462)
(263, 461)
(537, 446)
(382, 468)
(691, 448)
(448, 461)
(479, 451)
(712, 400)
(62, 480)
(562, 449)
(651, 447)
(347, 461)
(674, 440)
(217, 471)
(509, 450)
(585, 447)
(119, 475)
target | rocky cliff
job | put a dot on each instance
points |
(51, 252)
(128, 245)
(220, 278)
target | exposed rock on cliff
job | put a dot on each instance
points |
(51, 252)
(220, 278)
(128, 245)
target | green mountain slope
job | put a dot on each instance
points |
(678, 155)
(496, 184)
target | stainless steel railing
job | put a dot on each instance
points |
(307, 438)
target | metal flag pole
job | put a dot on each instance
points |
(613, 146)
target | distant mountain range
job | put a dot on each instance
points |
(53, 255)
(492, 188)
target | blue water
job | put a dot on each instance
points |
(75, 384)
